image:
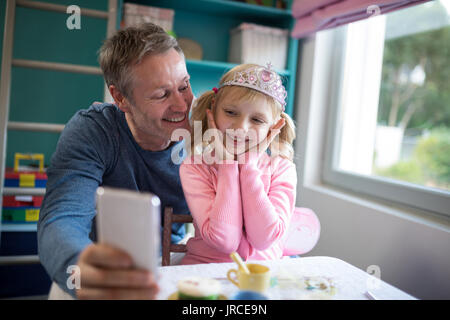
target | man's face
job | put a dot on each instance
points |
(162, 99)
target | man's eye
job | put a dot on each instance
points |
(185, 87)
(161, 95)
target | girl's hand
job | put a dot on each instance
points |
(274, 131)
(217, 147)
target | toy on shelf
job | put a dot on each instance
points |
(135, 14)
(266, 3)
(22, 201)
(252, 43)
(23, 208)
(280, 4)
(20, 215)
(26, 177)
(191, 49)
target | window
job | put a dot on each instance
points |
(390, 107)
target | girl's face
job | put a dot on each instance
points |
(243, 124)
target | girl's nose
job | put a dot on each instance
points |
(241, 125)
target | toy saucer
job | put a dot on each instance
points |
(174, 296)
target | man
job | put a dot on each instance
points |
(126, 145)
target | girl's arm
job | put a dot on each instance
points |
(267, 214)
(216, 209)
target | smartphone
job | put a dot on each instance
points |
(130, 221)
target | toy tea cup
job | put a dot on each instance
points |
(257, 280)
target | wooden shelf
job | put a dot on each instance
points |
(18, 227)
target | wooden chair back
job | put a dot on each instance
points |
(167, 245)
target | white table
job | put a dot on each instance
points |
(350, 282)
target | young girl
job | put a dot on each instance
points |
(242, 200)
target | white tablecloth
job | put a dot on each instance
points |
(349, 281)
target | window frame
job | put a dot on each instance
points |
(395, 191)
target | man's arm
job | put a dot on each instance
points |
(65, 221)
(86, 152)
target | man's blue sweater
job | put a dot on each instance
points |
(97, 148)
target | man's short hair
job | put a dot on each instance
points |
(126, 48)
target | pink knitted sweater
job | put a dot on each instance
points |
(239, 207)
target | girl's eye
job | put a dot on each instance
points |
(230, 112)
(258, 120)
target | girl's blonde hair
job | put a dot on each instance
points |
(282, 145)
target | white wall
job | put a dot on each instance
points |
(411, 248)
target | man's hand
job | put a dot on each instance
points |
(107, 273)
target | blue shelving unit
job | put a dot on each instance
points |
(226, 8)
(21, 280)
(209, 22)
(42, 35)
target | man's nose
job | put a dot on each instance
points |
(179, 102)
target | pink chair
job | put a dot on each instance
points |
(303, 234)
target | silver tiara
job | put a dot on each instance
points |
(261, 79)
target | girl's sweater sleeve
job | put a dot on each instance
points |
(216, 209)
(267, 214)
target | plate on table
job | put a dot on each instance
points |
(306, 288)
(174, 296)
